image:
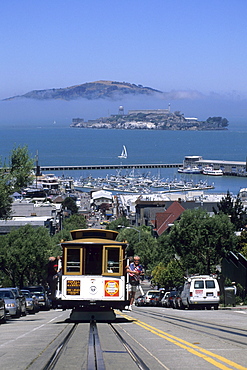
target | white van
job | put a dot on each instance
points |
(201, 291)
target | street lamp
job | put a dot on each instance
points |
(139, 231)
(133, 228)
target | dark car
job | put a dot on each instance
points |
(41, 294)
(177, 300)
(2, 311)
(139, 301)
(21, 298)
(167, 300)
(155, 300)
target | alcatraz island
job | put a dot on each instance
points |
(152, 119)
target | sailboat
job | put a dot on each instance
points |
(123, 154)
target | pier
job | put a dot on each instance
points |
(108, 167)
(229, 168)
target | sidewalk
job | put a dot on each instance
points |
(235, 308)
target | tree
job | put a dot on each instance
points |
(141, 243)
(21, 168)
(13, 177)
(200, 241)
(118, 224)
(169, 276)
(24, 254)
(5, 198)
(242, 243)
(70, 204)
(73, 222)
(234, 209)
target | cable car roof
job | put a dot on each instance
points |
(93, 241)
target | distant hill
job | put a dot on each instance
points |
(89, 90)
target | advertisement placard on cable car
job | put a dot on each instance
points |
(111, 288)
(73, 287)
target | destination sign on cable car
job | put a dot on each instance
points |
(73, 287)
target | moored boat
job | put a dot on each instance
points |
(190, 170)
(211, 171)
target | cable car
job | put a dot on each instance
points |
(93, 280)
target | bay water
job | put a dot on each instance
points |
(71, 146)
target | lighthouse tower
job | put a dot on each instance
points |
(121, 110)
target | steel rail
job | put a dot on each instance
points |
(95, 359)
(57, 353)
(138, 361)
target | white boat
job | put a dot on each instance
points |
(123, 154)
(211, 171)
(190, 170)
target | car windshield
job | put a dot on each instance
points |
(172, 294)
(36, 290)
(6, 294)
(26, 294)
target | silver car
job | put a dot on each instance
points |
(12, 305)
(21, 298)
(32, 303)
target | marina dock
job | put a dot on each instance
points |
(229, 168)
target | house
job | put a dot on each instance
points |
(101, 197)
(163, 220)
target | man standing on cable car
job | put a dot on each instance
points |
(134, 269)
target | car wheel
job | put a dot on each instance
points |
(3, 319)
(216, 306)
(18, 314)
(24, 313)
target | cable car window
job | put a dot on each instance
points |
(73, 261)
(93, 260)
(112, 260)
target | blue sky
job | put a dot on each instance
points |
(164, 44)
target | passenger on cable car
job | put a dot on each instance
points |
(52, 270)
(135, 270)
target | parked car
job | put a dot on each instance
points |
(2, 311)
(201, 291)
(177, 300)
(148, 295)
(12, 304)
(31, 301)
(155, 299)
(139, 301)
(41, 294)
(164, 299)
(167, 300)
(21, 298)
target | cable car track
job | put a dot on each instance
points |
(57, 353)
(95, 359)
(193, 324)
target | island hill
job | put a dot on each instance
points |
(158, 119)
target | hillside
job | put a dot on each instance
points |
(89, 90)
